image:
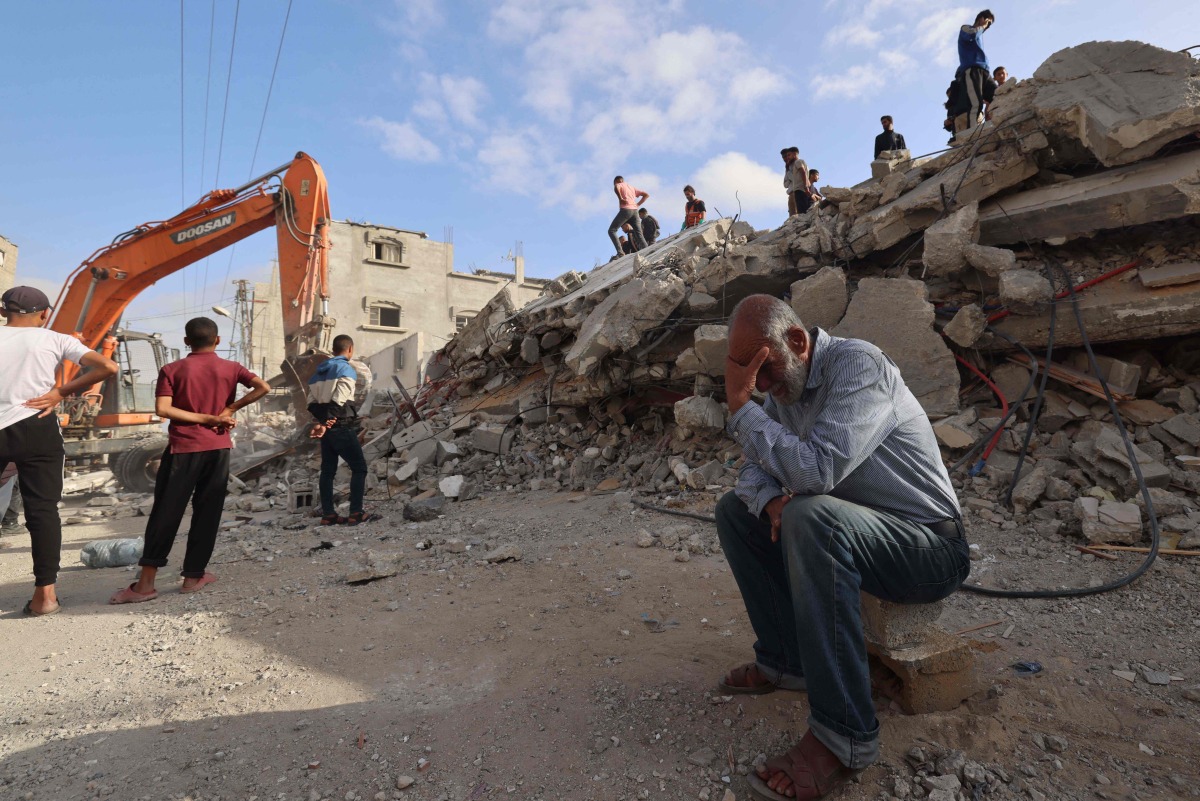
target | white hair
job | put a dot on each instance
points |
(768, 314)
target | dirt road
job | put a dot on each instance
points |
(583, 671)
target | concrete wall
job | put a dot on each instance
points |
(8, 265)
(422, 284)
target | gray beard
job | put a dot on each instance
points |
(795, 376)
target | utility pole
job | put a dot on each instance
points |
(241, 346)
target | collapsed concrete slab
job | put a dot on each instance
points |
(619, 322)
(1121, 100)
(1146, 192)
(896, 315)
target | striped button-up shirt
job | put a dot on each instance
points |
(856, 433)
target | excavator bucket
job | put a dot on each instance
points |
(296, 373)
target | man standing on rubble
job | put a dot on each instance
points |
(693, 208)
(331, 393)
(973, 72)
(630, 198)
(650, 226)
(843, 490)
(30, 437)
(889, 139)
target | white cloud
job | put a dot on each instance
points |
(854, 33)
(402, 141)
(937, 34)
(859, 81)
(733, 179)
(447, 97)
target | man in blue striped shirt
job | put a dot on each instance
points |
(843, 490)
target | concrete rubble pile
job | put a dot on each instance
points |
(1090, 169)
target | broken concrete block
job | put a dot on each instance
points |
(447, 451)
(531, 351)
(551, 340)
(890, 161)
(821, 299)
(1122, 100)
(687, 364)
(1025, 291)
(967, 326)
(416, 431)
(895, 315)
(492, 439)
(899, 626)
(991, 261)
(934, 676)
(451, 486)
(407, 470)
(953, 433)
(620, 320)
(1109, 522)
(711, 347)
(700, 302)
(1184, 427)
(946, 241)
(700, 413)
(423, 452)
(1170, 274)
(1144, 412)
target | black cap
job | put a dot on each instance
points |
(25, 300)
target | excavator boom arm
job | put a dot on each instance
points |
(98, 292)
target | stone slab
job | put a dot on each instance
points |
(1184, 272)
(895, 315)
(821, 298)
(935, 676)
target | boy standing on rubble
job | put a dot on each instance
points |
(331, 403)
(197, 395)
(974, 75)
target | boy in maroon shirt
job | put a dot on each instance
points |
(197, 395)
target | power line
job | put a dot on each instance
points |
(270, 87)
(228, 80)
(212, 24)
(182, 149)
(224, 115)
(262, 123)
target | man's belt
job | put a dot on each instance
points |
(948, 529)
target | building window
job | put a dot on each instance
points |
(461, 320)
(385, 315)
(399, 358)
(389, 252)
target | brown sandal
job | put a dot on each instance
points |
(742, 683)
(814, 770)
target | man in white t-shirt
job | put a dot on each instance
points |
(29, 433)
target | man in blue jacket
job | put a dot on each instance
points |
(973, 73)
(331, 403)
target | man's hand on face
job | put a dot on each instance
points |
(740, 379)
(774, 510)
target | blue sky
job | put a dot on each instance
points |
(505, 119)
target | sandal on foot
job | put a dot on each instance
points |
(28, 610)
(743, 684)
(361, 517)
(814, 770)
(201, 583)
(128, 595)
(332, 520)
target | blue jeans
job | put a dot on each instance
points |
(342, 441)
(802, 595)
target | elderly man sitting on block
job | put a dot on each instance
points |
(843, 490)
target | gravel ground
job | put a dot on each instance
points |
(585, 670)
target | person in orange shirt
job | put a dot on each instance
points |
(630, 198)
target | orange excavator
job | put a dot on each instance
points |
(116, 420)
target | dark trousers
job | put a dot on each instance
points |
(636, 238)
(203, 479)
(803, 201)
(802, 595)
(342, 441)
(979, 88)
(35, 446)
